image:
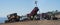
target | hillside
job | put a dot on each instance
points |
(39, 22)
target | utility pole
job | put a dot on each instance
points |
(36, 6)
(36, 3)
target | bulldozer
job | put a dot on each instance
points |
(12, 18)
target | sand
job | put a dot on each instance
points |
(34, 22)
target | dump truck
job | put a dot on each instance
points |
(33, 13)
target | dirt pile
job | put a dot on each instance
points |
(39, 22)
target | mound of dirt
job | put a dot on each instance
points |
(34, 22)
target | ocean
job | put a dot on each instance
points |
(2, 19)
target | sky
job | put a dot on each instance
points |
(23, 7)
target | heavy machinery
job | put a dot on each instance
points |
(13, 18)
(46, 16)
(33, 13)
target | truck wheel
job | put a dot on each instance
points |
(55, 18)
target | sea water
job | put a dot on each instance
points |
(2, 19)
